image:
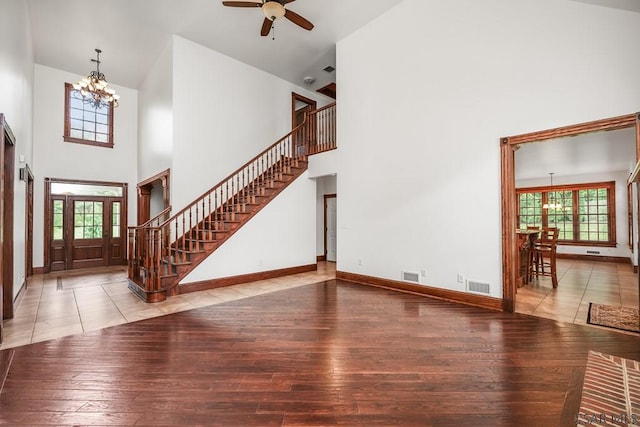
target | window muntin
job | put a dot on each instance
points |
(85, 123)
(593, 214)
(87, 220)
(562, 219)
(530, 209)
(587, 216)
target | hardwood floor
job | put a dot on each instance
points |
(76, 301)
(331, 353)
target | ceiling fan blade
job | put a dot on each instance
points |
(241, 4)
(298, 20)
(266, 27)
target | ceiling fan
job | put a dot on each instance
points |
(273, 9)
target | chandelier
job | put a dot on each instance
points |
(94, 88)
(551, 205)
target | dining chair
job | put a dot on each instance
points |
(546, 247)
(533, 239)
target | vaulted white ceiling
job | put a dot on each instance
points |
(132, 33)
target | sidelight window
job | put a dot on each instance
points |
(58, 220)
(115, 220)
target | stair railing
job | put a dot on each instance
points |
(319, 134)
(137, 235)
(158, 247)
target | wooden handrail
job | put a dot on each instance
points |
(321, 109)
(156, 218)
(157, 247)
(234, 173)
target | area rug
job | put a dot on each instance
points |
(623, 318)
(611, 392)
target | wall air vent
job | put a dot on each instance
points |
(411, 276)
(478, 287)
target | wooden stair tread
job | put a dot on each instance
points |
(218, 226)
(188, 251)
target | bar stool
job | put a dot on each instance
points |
(546, 247)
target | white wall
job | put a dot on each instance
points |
(622, 224)
(156, 202)
(225, 113)
(281, 235)
(155, 117)
(16, 103)
(55, 158)
(324, 164)
(419, 155)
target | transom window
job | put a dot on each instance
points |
(583, 213)
(85, 123)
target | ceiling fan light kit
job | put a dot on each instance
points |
(272, 10)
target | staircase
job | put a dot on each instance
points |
(164, 250)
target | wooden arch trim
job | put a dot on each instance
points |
(143, 194)
(508, 146)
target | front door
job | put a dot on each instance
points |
(85, 225)
(87, 232)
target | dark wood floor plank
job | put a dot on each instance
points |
(332, 353)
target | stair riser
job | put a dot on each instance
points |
(207, 234)
(231, 216)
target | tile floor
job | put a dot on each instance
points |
(579, 283)
(60, 304)
(67, 303)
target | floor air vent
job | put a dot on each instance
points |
(410, 276)
(478, 287)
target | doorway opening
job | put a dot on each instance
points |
(508, 147)
(153, 196)
(330, 228)
(7, 161)
(300, 106)
(27, 177)
(85, 224)
(300, 109)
